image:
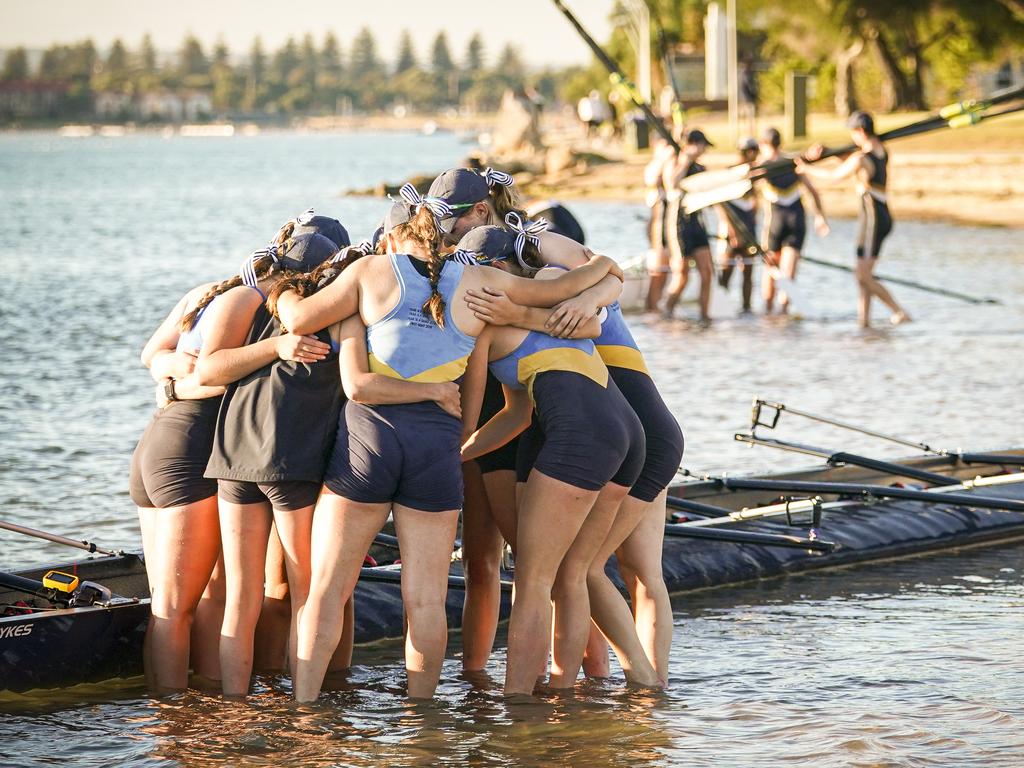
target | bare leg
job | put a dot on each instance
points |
(550, 516)
(707, 273)
(866, 274)
(768, 282)
(748, 285)
(425, 564)
(205, 639)
(270, 645)
(295, 529)
(481, 560)
(595, 658)
(342, 658)
(641, 554)
(787, 265)
(184, 546)
(342, 533)
(571, 596)
(609, 609)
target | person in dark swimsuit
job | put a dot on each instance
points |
(688, 238)
(744, 210)
(869, 165)
(785, 225)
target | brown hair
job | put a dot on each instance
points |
(307, 283)
(263, 267)
(285, 233)
(422, 228)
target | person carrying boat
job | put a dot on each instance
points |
(401, 459)
(686, 235)
(869, 165)
(658, 257)
(637, 534)
(270, 442)
(744, 211)
(785, 226)
(589, 453)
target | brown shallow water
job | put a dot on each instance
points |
(912, 663)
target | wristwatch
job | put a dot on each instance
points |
(169, 392)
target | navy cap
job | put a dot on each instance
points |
(399, 213)
(330, 228)
(771, 136)
(485, 245)
(378, 233)
(863, 121)
(461, 189)
(696, 136)
(747, 144)
(307, 252)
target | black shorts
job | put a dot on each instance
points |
(407, 454)
(285, 495)
(591, 436)
(169, 461)
(875, 225)
(692, 234)
(504, 457)
(785, 225)
(664, 438)
(748, 220)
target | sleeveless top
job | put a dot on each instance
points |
(191, 341)
(406, 343)
(616, 345)
(782, 188)
(879, 177)
(539, 352)
(279, 422)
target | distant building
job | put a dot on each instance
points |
(25, 99)
(175, 107)
(113, 105)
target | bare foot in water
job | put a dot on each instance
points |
(899, 318)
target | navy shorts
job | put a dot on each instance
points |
(875, 226)
(407, 454)
(169, 461)
(664, 438)
(589, 436)
(504, 457)
(785, 225)
(692, 235)
(284, 495)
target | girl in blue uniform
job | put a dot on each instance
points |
(588, 454)
(403, 458)
(637, 534)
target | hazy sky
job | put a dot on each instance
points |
(541, 33)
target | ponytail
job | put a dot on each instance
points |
(435, 305)
(189, 320)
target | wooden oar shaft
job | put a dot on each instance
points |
(88, 546)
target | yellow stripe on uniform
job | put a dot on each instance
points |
(562, 359)
(620, 356)
(449, 371)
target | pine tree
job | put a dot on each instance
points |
(440, 57)
(406, 54)
(15, 65)
(474, 53)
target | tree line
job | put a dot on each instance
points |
(302, 76)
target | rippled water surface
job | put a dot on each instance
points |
(910, 663)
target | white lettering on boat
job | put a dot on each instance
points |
(20, 630)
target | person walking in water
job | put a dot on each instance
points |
(869, 165)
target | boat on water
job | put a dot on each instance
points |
(51, 644)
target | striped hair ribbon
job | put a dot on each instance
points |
(365, 248)
(305, 217)
(492, 177)
(248, 269)
(468, 258)
(525, 231)
(437, 206)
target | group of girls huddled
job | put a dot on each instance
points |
(463, 359)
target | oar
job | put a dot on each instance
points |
(934, 496)
(967, 458)
(619, 78)
(905, 282)
(88, 546)
(842, 457)
(749, 537)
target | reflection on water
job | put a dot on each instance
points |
(914, 662)
(911, 663)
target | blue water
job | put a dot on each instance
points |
(916, 663)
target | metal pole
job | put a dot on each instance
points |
(643, 73)
(733, 71)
